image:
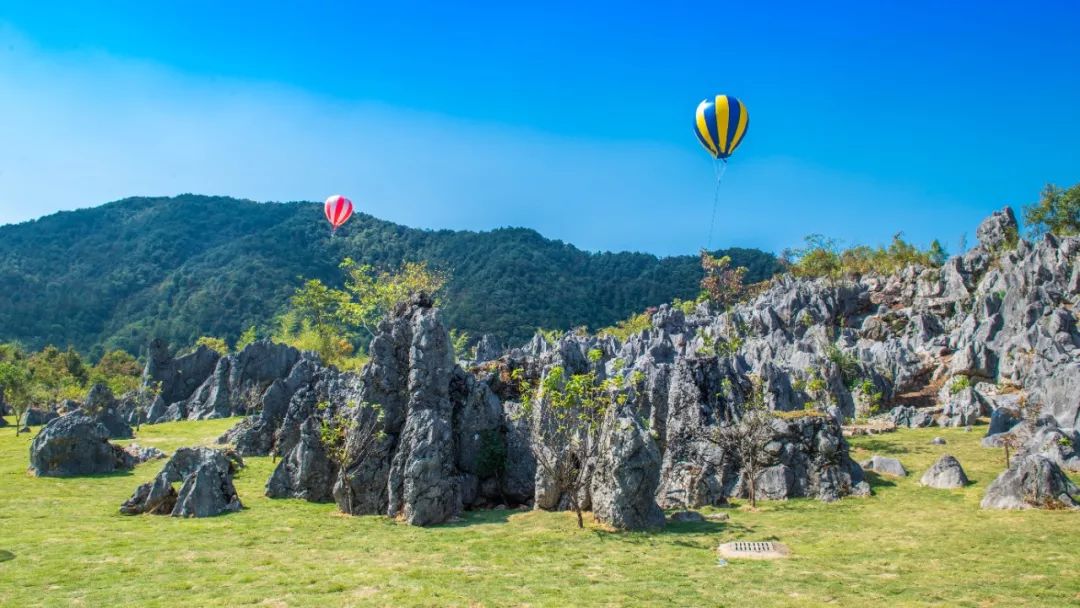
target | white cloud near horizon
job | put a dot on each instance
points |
(80, 129)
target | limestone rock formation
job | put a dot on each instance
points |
(206, 486)
(945, 474)
(627, 473)
(76, 444)
(1031, 481)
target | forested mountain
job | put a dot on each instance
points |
(182, 267)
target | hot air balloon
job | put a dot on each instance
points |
(338, 210)
(720, 125)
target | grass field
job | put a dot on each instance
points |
(63, 543)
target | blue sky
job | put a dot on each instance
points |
(866, 118)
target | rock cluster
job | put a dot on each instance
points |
(206, 486)
(203, 385)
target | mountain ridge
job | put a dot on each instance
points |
(116, 275)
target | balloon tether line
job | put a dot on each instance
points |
(721, 166)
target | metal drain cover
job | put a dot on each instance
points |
(754, 550)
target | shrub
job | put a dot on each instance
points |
(1057, 212)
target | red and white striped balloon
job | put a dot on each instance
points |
(338, 210)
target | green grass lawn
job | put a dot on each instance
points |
(66, 544)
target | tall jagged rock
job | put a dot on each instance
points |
(623, 488)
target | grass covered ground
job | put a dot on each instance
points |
(66, 544)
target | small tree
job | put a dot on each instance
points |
(15, 386)
(351, 436)
(1057, 212)
(722, 284)
(372, 295)
(745, 439)
(567, 413)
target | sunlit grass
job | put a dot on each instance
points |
(905, 546)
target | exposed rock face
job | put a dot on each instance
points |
(434, 416)
(204, 385)
(76, 444)
(906, 415)
(36, 417)
(206, 487)
(179, 376)
(488, 349)
(885, 466)
(1031, 481)
(945, 474)
(627, 474)
(102, 406)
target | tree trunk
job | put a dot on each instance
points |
(752, 470)
(1006, 444)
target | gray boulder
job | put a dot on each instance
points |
(76, 444)
(885, 466)
(938, 441)
(1031, 481)
(103, 406)
(488, 349)
(37, 417)
(945, 474)
(626, 476)
(998, 231)
(206, 487)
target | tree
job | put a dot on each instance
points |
(15, 386)
(372, 295)
(249, 336)
(314, 322)
(745, 439)
(566, 413)
(350, 436)
(460, 341)
(1057, 212)
(722, 285)
(118, 370)
(53, 380)
(215, 344)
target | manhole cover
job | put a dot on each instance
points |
(754, 550)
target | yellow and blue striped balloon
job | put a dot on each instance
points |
(721, 124)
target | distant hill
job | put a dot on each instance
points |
(116, 275)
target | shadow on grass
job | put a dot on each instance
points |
(6, 556)
(73, 478)
(878, 481)
(880, 446)
(673, 530)
(482, 516)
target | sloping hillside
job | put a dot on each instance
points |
(181, 267)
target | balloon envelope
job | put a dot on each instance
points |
(338, 210)
(720, 124)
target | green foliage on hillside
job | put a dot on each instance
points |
(117, 275)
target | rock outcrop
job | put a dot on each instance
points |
(989, 331)
(76, 444)
(627, 473)
(204, 385)
(945, 474)
(1031, 481)
(206, 486)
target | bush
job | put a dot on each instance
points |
(823, 258)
